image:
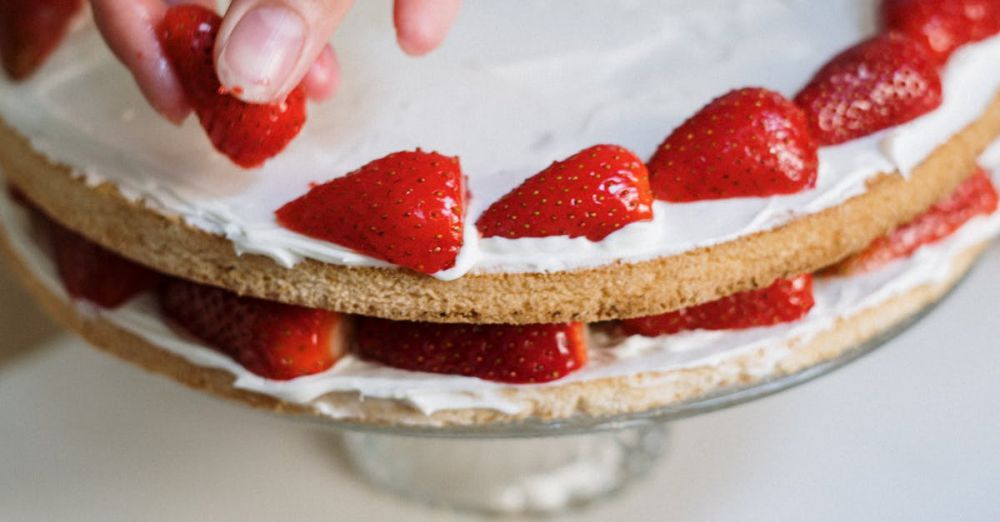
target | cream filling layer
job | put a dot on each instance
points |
(508, 106)
(836, 298)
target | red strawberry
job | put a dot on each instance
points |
(877, 84)
(30, 30)
(592, 193)
(942, 25)
(406, 208)
(91, 272)
(976, 196)
(514, 354)
(249, 134)
(750, 142)
(273, 340)
(785, 301)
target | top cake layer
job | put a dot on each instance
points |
(517, 86)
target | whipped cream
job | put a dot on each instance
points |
(836, 298)
(508, 105)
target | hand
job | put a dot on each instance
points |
(265, 47)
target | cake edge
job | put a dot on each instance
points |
(615, 291)
(606, 397)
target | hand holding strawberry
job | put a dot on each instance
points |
(266, 48)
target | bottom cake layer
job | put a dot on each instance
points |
(625, 375)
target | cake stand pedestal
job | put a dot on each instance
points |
(506, 475)
(536, 467)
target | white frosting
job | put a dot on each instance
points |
(835, 298)
(508, 105)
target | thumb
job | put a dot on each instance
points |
(266, 47)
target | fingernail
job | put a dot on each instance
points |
(262, 51)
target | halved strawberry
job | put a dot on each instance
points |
(91, 272)
(274, 340)
(879, 83)
(591, 194)
(975, 197)
(30, 30)
(942, 25)
(249, 134)
(784, 301)
(513, 354)
(751, 142)
(406, 208)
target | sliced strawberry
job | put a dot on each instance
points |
(249, 134)
(785, 301)
(273, 340)
(406, 208)
(91, 272)
(942, 25)
(879, 83)
(513, 354)
(30, 30)
(977, 196)
(751, 142)
(591, 194)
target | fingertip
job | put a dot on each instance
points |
(165, 97)
(175, 115)
(422, 25)
(323, 78)
(128, 26)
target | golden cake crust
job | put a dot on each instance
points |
(609, 292)
(598, 398)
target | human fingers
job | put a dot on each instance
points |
(265, 48)
(421, 25)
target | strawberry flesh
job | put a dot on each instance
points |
(93, 273)
(249, 134)
(784, 301)
(590, 194)
(942, 26)
(977, 196)
(877, 84)
(273, 340)
(511, 354)
(30, 30)
(749, 143)
(406, 208)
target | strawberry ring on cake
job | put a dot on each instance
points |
(651, 206)
(367, 370)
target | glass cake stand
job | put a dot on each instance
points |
(536, 467)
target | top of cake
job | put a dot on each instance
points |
(517, 86)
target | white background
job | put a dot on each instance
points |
(911, 432)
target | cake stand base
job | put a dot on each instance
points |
(506, 475)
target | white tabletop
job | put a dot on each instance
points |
(911, 432)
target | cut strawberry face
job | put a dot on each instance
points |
(590, 194)
(407, 208)
(975, 197)
(512, 354)
(272, 340)
(93, 273)
(249, 134)
(749, 143)
(877, 84)
(942, 26)
(30, 30)
(785, 301)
